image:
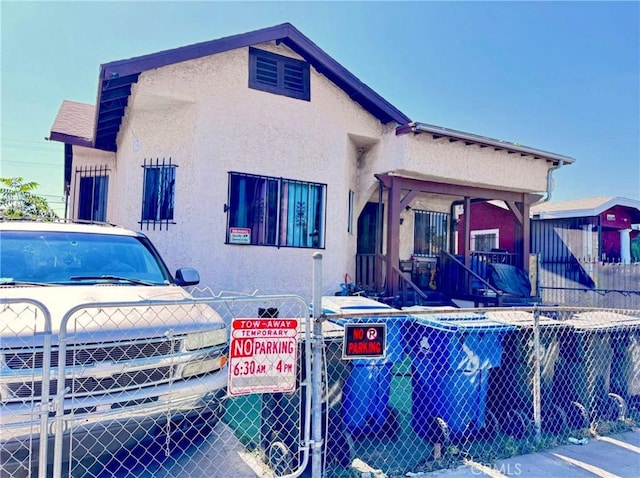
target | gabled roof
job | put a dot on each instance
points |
(116, 78)
(585, 207)
(453, 135)
(74, 124)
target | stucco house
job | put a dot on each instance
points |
(243, 156)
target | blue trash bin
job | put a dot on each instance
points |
(451, 356)
(367, 389)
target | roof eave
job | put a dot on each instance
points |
(287, 33)
(470, 138)
(338, 74)
(70, 139)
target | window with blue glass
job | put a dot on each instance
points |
(280, 212)
(279, 74)
(158, 197)
(92, 185)
(430, 233)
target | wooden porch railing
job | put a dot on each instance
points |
(461, 282)
(496, 257)
(368, 265)
(366, 270)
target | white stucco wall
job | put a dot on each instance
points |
(445, 161)
(202, 114)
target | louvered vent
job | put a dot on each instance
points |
(278, 74)
(267, 71)
(294, 78)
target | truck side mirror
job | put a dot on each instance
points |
(187, 276)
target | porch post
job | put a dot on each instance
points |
(379, 282)
(526, 233)
(467, 231)
(393, 233)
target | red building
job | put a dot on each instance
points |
(603, 229)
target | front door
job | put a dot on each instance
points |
(367, 245)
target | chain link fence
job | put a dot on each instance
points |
(483, 385)
(222, 386)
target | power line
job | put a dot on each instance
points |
(43, 142)
(30, 148)
(31, 163)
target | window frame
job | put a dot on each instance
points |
(281, 62)
(93, 181)
(277, 213)
(162, 212)
(431, 245)
(97, 198)
(350, 214)
(484, 232)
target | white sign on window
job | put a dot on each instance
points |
(240, 235)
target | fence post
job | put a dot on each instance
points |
(537, 410)
(316, 370)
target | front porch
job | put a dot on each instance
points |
(445, 280)
(453, 271)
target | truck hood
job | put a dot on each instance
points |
(20, 317)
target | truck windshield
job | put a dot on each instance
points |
(54, 257)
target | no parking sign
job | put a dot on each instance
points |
(364, 341)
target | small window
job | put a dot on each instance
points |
(93, 185)
(430, 233)
(278, 212)
(485, 240)
(158, 197)
(279, 74)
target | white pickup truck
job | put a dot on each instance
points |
(152, 362)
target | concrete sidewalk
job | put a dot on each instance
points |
(607, 457)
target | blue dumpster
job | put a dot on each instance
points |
(367, 388)
(451, 356)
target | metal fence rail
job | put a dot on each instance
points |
(576, 282)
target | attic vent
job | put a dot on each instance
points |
(266, 71)
(279, 74)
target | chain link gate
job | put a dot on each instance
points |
(25, 337)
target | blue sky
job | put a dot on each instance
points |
(558, 76)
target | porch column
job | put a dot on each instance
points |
(467, 231)
(526, 235)
(393, 234)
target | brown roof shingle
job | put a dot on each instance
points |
(75, 119)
